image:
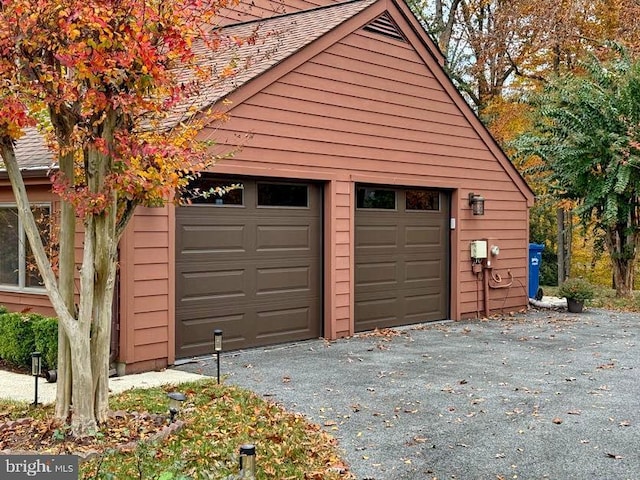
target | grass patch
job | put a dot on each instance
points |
(218, 419)
(605, 298)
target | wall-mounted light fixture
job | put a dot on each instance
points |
(476, 202)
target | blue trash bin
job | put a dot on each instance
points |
(535, 260)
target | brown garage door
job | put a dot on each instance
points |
(401, 257)
(249, 263)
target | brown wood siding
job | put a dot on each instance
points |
(343, 258)
(27, 302)
(146, 297)
(369, 108)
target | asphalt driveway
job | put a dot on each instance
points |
(542, 395)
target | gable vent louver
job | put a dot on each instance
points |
(383, 25)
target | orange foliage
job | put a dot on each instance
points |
(110, 83)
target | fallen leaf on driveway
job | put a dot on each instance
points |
(624, 423)
(575, 412)
(613, 455)
(557, 420)
(606, 366)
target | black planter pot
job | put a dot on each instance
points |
(575, 306)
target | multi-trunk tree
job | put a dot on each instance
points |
(108, 83)
(586, 130)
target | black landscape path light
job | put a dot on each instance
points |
(36, 369)
(175, 404)
(248, 462)
(217, 347)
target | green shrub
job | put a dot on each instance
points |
(576, 289)
(16, 338)
(45, 330)
(21, 334)
(3, 310)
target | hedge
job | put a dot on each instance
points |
(45, 332)
(23, 333)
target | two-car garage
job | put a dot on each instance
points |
(356, 156)
(250, 261)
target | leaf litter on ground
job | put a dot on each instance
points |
(217, 420)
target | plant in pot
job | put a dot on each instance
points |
(576, 291)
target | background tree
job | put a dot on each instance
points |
(108, 83)
(587, 132)
(497, 51)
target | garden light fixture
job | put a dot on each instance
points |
(175, 404)
(248, 462)
(36, 369)
(217, 347)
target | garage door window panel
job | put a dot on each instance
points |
(422, 200)
(375, 198)
(283, 195)
(209, 191)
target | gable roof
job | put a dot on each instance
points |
(279, 39)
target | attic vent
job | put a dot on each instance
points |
(383, 25)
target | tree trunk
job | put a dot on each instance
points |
(84, 332)
(622, 249)
(623, 278)
(66, 272)
(83, 421)
(106, 248)
(99, 166)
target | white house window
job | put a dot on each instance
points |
(17, 265)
